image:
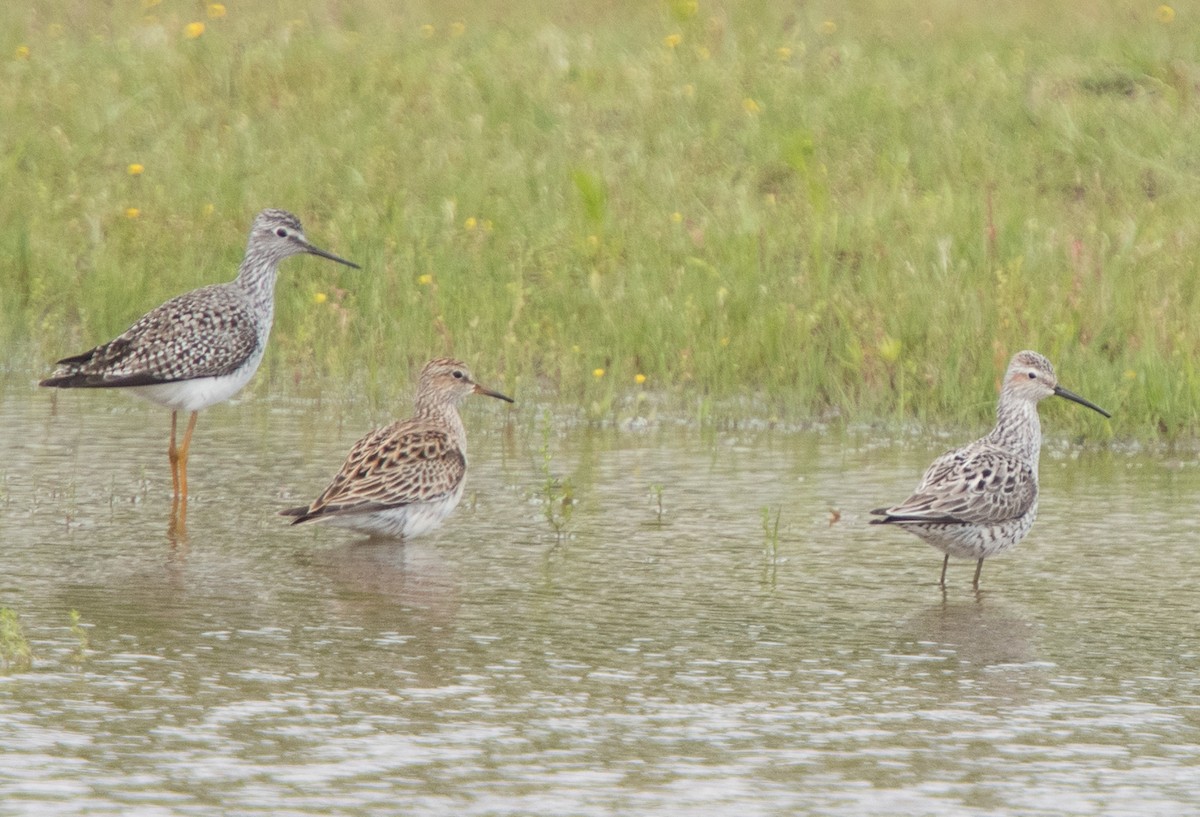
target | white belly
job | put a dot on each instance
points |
(401, 523)
(193, 395)
(975, 541)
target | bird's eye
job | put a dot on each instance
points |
(282, 232)
(1033, 375)
(458, 375)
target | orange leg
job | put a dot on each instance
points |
(173, 455)
(177, 527)
(183, 459)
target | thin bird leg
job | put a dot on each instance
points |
(173, 456)
(942, 580)
(978, 570)
(183, 458)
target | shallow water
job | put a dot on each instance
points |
(673, 660)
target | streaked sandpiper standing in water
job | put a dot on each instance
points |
(403, 479)
(199, 348)
(981, 499)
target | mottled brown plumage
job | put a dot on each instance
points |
(405, 478)
(209, 332)
(981, 499)
(199, 348)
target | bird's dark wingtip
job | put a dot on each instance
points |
(64, 381)
(301, 514)
(80, 380)
(882, 512)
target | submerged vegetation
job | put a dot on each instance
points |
(15, 652)
(841, 210)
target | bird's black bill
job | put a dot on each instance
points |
(1070, 395)
(481, 390)
(318, 251)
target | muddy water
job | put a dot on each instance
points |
(665, 649)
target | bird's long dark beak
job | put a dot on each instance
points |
(1070, 395)
(481, 390)
(309, 248)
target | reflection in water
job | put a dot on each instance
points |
(371, 575)
(672, 652)
(980, 632)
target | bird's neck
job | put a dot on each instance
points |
(1018, 429)
(445, 414)
(257, 276)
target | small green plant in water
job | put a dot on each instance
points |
(14, 647)
(558, 495)
(656, 491)
(81, 637)
(770, 533)
(770, 546)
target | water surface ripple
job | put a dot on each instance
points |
(675, 659)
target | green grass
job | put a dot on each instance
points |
(854, 210)
(15, 652)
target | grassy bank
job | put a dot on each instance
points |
(859, 210)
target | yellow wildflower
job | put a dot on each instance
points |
(135, 169)
(689, 91)
(471, 223)
(724, 341)
(209, 209)
(783, 53)
(672, 40)
(21, 53)
(427, 31)
(132, 212)
(320, 298)
(676, 217)
(639, 378)
(1164, 14)
(1130, 374)
(193, 30)
(216, 11)
(593, 241)
(597, 373)
(702, 52)
(457, 28)
(829, 27)
(149, 4)
(889, 349)
(425, 280)
(750, 106)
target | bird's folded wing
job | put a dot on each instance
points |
(977, 485)
(397, 465)
(203, 333)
